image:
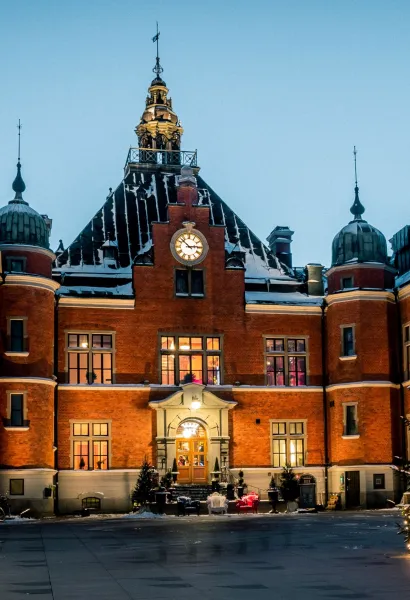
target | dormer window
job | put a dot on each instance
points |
(15, 264)
(347, 283)
(110, 254)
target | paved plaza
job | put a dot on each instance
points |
(338, 555)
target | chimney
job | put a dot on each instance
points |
(279, 241)
(314, 273)
(187, 191)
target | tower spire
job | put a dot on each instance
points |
(157, 69)
(18, 184)
(357, 208)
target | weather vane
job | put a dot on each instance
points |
(157, 69)
(19, 126)
(355, 165)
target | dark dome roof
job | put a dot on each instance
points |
(359, 242)
(21, 224)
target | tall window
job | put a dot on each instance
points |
(406, 353)
(185, 359)
(348, 345)
(17, 334)
(288, 443)
(285, 360)
(17, 410)
(90, 358)
(350, 424)
(90, 445)
(189, 282)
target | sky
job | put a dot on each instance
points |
(272, 94)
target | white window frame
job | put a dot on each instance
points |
(345, 435)
(344, 356)
(9, 394)
(288, 438)
(90, 438)
(89, 351)
(286, 354)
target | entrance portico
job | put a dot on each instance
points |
(193, 427)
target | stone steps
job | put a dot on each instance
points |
(195, 492)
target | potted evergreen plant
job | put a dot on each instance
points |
(289, 488)
(174, 471)
(215, 479)
(273, 495)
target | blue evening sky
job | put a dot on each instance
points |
(273, 94)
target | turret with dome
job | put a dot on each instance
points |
(358, 244)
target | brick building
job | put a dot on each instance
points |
(167, 329)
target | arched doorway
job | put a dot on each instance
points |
(191, 452)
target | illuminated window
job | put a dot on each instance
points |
(186, 359)
(90, 444)
(288, 443)
(90, 358)
(285, 361)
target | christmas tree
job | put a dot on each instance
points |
(289, 485)
(140, 495)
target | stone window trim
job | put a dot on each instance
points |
(406, 351)
(379, 481)
(89, 350)
(343, 350)
(20, 259)
(90, 438)
(345, 435)
(205, 352)
(286, 354)
(19, 484)
(7, 420)
(25, 351)
(347, 279)
(288, 436)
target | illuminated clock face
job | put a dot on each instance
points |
(189, 246)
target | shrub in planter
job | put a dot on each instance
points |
(289, 487)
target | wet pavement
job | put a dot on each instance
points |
(304, 556)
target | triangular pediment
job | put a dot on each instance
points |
(193, 392)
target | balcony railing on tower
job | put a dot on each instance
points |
(162, 157)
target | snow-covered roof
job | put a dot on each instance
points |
(141, 199)
(294, 298)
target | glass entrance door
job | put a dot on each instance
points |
(191, 453)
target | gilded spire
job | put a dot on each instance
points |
(357, 208)
(159, 127)
(18, 184)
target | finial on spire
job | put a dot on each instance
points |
(357, 208)
(18, 184)
(157, 69)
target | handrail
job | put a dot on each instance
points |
(158, 156)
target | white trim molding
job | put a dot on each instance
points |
(355, 265)
(380, 296)
(353, 357)
(28, 248)
(283, 309)
(32, 281)
(404, 292)
(16, 354)
(37, 380)
(277, 388)
(361, 384)
(110, 303)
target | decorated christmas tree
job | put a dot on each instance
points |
(140, 495)
(289, 485)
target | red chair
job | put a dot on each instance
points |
(248, 503)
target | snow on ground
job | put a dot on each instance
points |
(17, 521)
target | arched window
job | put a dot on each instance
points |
(94, 503)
